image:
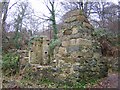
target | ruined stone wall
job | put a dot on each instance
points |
(77, 57)
(46, 42)
(38, 52)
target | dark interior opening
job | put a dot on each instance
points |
(45, 52)
(79, 56)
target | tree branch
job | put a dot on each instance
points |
(42, 18)
(47, 7)
(12, 5)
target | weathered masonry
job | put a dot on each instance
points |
(78, 57)
(38, 53)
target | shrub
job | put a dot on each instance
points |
(10, 64)
(99, 32)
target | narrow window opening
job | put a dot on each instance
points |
(45, 52)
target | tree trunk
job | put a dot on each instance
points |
(54, 23)
(4, 11)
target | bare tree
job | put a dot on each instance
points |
(100, 10)
(106, 12)
(52, 18)
(85, 6)
(0, 23)
(18, 21)
(5, 9)
(4, 17)
(0, 45)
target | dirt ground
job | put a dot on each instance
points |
(112, 81)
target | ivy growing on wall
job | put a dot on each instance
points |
(52, 45)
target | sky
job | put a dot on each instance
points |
(38, 5)
(40, 8)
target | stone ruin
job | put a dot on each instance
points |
(78, 57)
(38, 53)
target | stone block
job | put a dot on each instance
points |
(63, 76)
(65, 43)
(87, 25)
(88, 55)
(62, 51)
(75, 36)
(67, 32)
(82, 69)
(69, 59)
(65, 37)
(76, 75)
(68, 25)
(61, 62)
(75, 54)
(75, 24)
(85, 55)
(55, 69)
(73, 49)
(84, 42)
(84, 50)
(76, 66)
(74, 30)
(73, 42)
(70, 19)
(96, 55)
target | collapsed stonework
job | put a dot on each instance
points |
(77, 58)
